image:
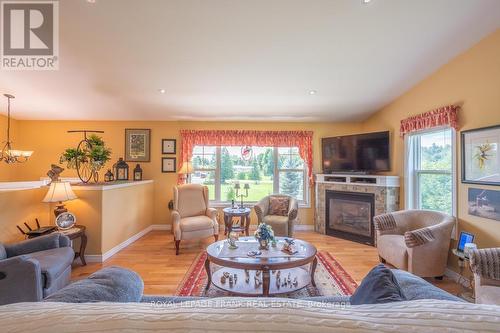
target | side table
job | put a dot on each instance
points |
(242, 213)
(467, 293)
(77, 231)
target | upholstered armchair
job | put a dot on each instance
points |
(191, 216)
(35, 268)
(282, 220)
(417, 241)
(485, 264)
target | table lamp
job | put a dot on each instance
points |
(59, 192)
(185, 171)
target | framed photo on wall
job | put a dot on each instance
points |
(137, 145)
(168, 165)
(480, 156)
(168, 146)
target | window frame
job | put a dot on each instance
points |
(412, 175)
(217, 202)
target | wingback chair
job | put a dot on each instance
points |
(35, 268)
(417, 241)
(191, 216)
(281, 220)
(485, 264)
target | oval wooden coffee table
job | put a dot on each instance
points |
(262, 270)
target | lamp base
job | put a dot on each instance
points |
(60, 209)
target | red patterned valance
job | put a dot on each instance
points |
(300, 139)
(447, 115)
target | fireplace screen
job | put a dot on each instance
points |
(350, 216)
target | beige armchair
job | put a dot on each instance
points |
(416, 241)
(191, 217)
(282, 225)
(485, 264)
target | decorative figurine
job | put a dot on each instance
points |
(232, 239)
(54, 172)
(288, 247)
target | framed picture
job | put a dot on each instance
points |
(137, 145)
(484, 203)
(168, 165)
(480, 156)
(168, 146)
(464, 238)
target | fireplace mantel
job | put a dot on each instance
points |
(384, 188)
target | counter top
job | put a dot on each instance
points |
(27, 185)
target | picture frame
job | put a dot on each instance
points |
(168, 146)
(465, 237)
(484, 203)
(168, 165)
(137, 145)
(480, 151)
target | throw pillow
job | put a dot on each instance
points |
(278, 206)
(379, 286)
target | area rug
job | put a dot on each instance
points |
(331, 280)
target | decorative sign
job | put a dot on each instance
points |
(246, 153)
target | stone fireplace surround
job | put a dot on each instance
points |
(384, 188)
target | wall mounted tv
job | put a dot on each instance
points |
(360, 153)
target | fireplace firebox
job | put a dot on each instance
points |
(349, 215)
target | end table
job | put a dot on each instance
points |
(77, 231)
(242, 213)
(467, 293)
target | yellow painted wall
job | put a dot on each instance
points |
(17, 207)
(49, 138)
(472, 80)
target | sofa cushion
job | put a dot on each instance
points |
(196, 223)
(110, 284)
(53, 262)
(3, 253)
(393, 249)
(278, 206)
(379, 286)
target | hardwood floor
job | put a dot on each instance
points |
(153, 257)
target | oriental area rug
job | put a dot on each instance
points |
(331, 280)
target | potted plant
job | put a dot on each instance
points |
(264, 234)
(88, 158)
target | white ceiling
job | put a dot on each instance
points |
(244, 59)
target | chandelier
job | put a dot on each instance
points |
(7, 154)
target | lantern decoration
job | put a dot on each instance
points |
(137, 173)
(108, 176)
(121, 169)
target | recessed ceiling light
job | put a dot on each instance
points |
(312, 92)
(91, 1)
(162, 91)
(365, 2)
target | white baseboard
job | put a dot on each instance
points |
(108, 254)
(304, 227)
(456, 277)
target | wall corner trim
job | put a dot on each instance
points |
(108, 254)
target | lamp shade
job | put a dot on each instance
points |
(186, 168)
(59, 192)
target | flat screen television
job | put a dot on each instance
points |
(360, 153)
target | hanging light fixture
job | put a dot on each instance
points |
(7, 154)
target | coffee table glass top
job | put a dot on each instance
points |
(219, 253)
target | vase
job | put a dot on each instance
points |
(264, 244)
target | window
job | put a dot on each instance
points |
(267, 170)
(430, 170)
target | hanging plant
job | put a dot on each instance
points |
(88, 158)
